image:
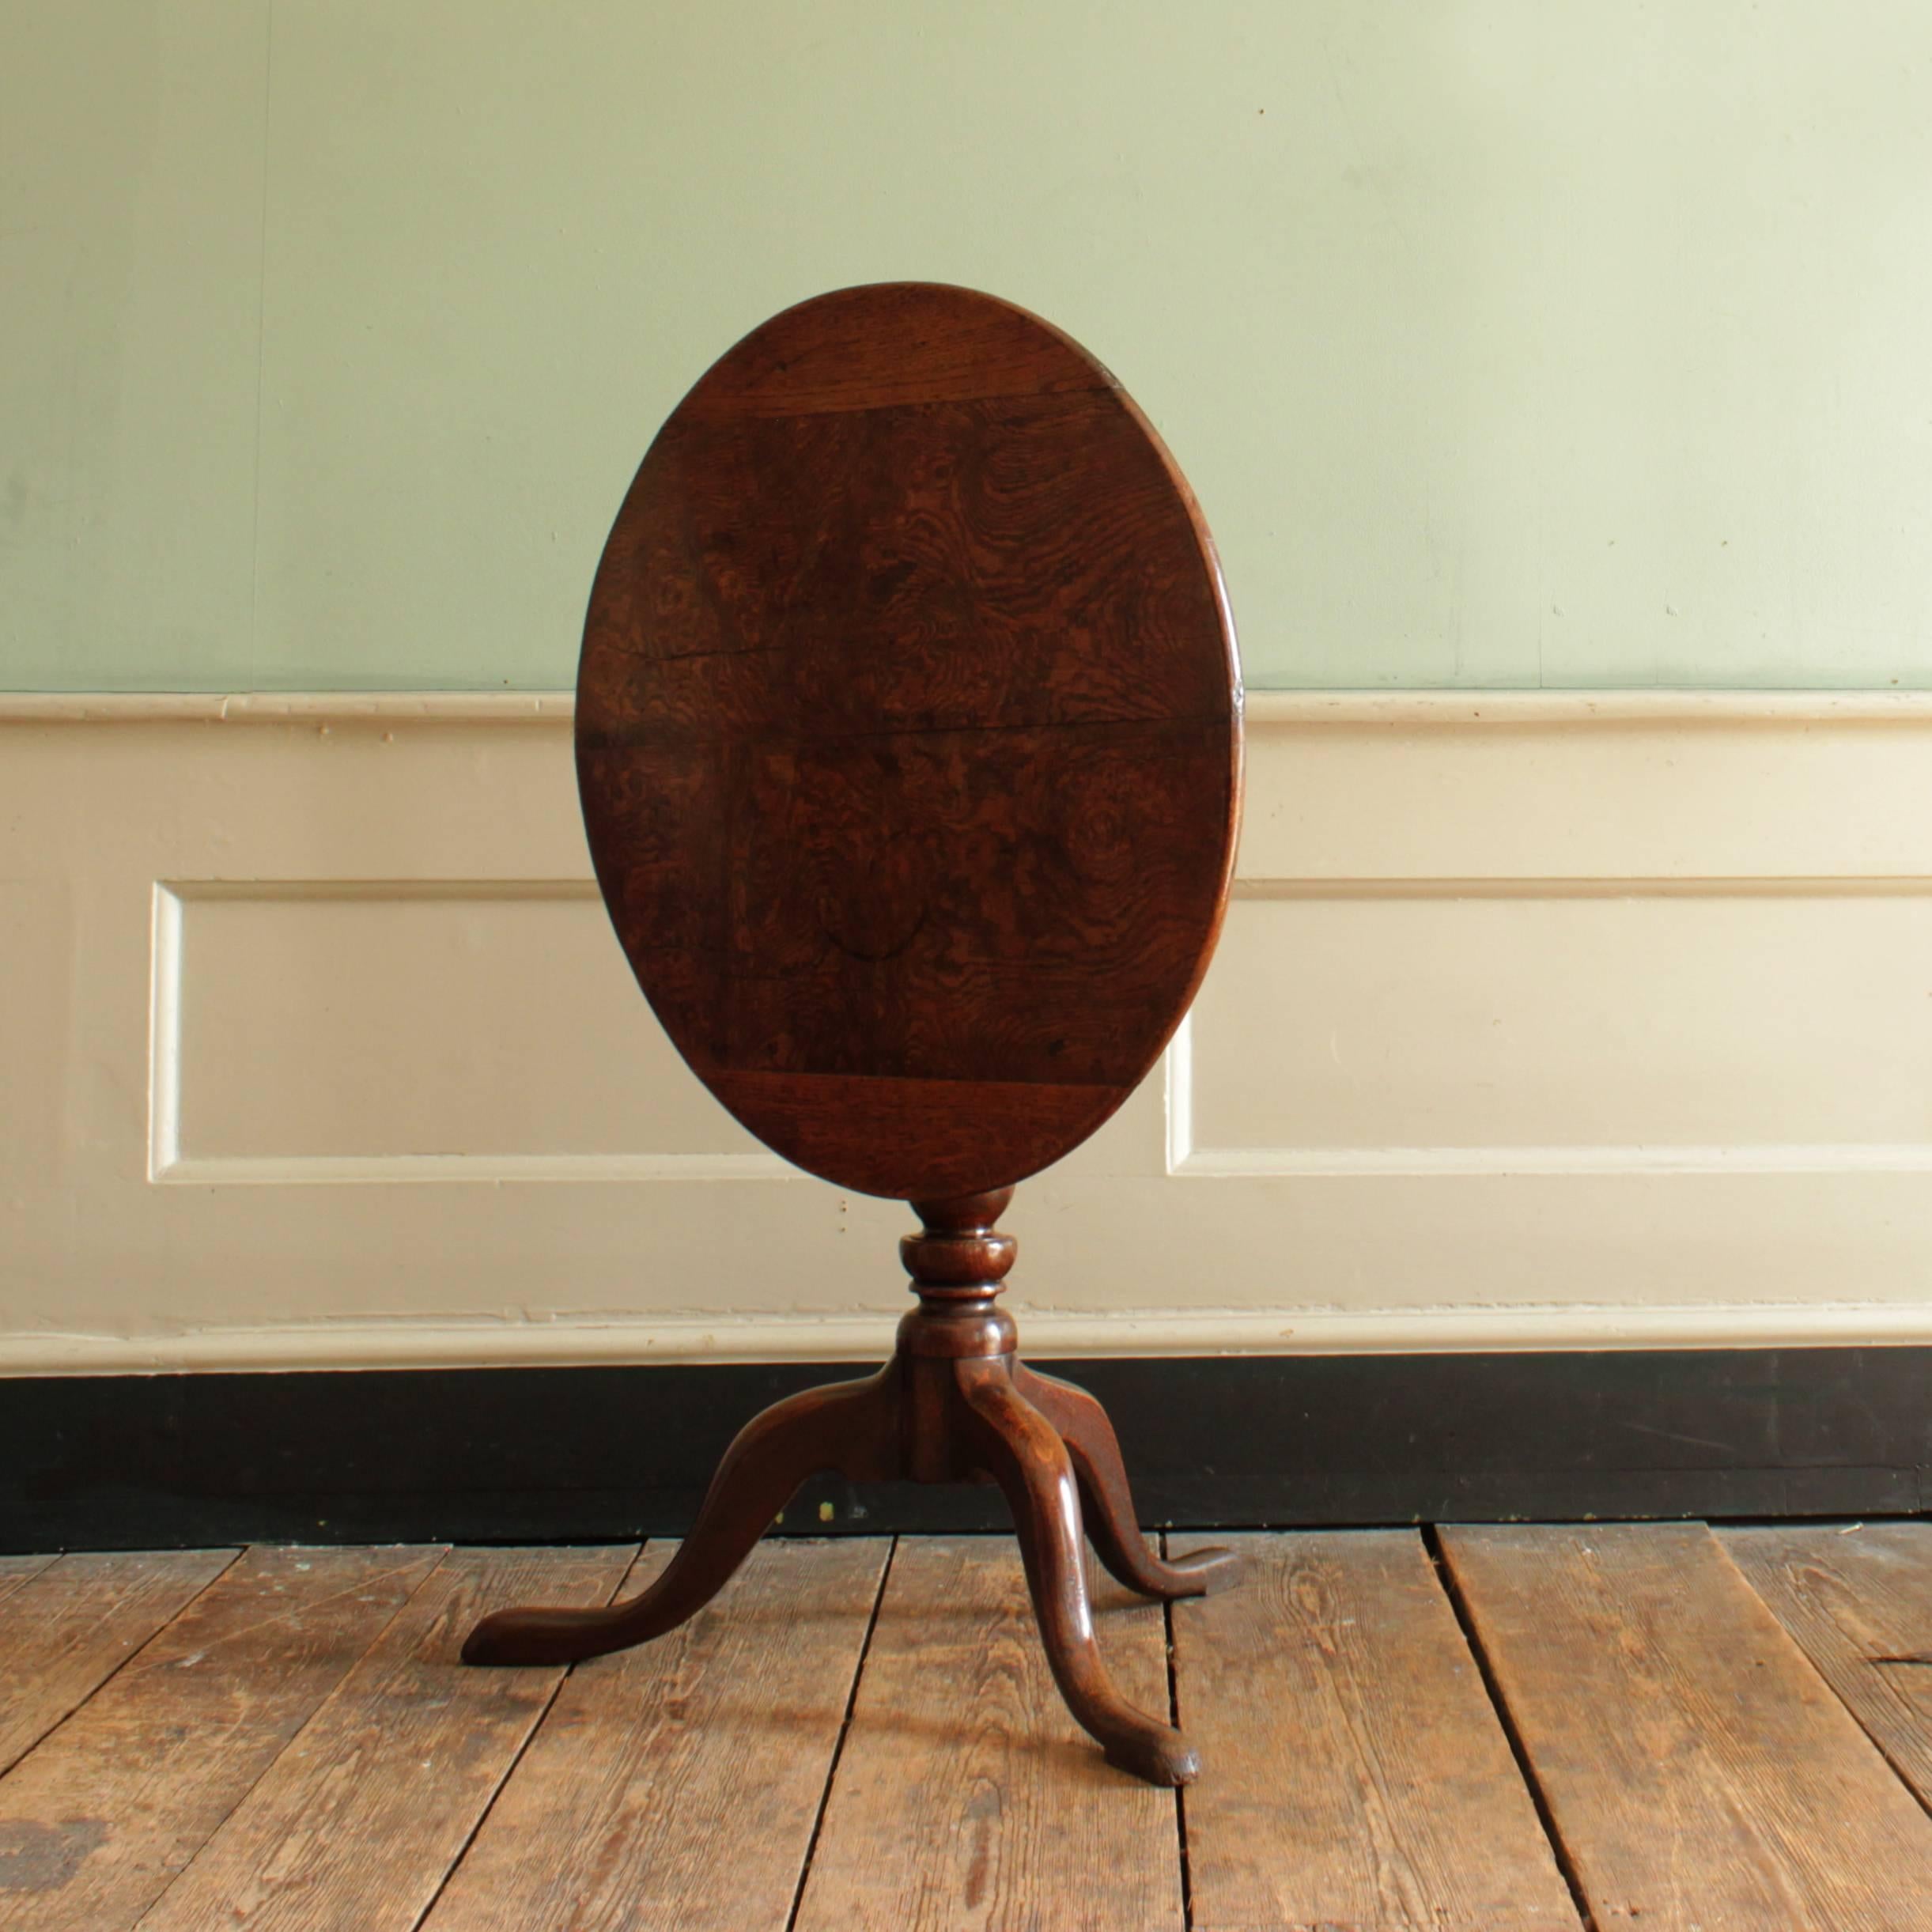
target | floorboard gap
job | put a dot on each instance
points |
(503, 1783)
(1433, 1543)
(1173, 1718)
(66, 1717)
(1861, 1718)
(242, 1796)
(838, 1747)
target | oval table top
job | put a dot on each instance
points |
(908, 739)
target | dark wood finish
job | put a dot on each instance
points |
(951, 1406)
(630, 1807)
(963, 1796)
(1106, 1502)
(1700, 1774)
(97, 1821)
(1340, 1676)
(1857, 1597)
(67, 1630)
(358, 1823)
(908, 731)
(603, 1454)
(908, 739)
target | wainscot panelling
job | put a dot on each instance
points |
(1540, 1021)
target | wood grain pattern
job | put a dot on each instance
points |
(679, 1784)
(909, 737)
(64, 1632)
(1702, 1776)
(1703, 1779)
(908, 343)
(15, 1571)
(965, 1795)
(1853, 1596)
(800, 1122)
(1359, 1775)
(358, 1821)
(96, 1824)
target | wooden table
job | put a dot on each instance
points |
(909, 739)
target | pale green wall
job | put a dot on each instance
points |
(1507, 342)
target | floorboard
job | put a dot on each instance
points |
(64, 1632)
(358, 1823)
(679, 1784)
(1355, 1773)
(1700, 1774)
(96, 1822)
(1679, 1731)
(15, 1571)
(966, 1796)
(1857, 1598)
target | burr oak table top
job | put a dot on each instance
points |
(908, 736)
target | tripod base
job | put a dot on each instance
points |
(954, 1404)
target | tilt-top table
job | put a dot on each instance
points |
(909, 739)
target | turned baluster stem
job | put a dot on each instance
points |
(958, 1263)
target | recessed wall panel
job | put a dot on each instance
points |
(1698, 1021)
(348, 1030)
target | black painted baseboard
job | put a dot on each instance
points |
(516, 1455)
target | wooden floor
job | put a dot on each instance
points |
(1668, 1728)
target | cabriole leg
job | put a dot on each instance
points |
(1109, 1503)
(851, 1427)
(1020, 1448)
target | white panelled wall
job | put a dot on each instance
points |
(1538, 1021)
